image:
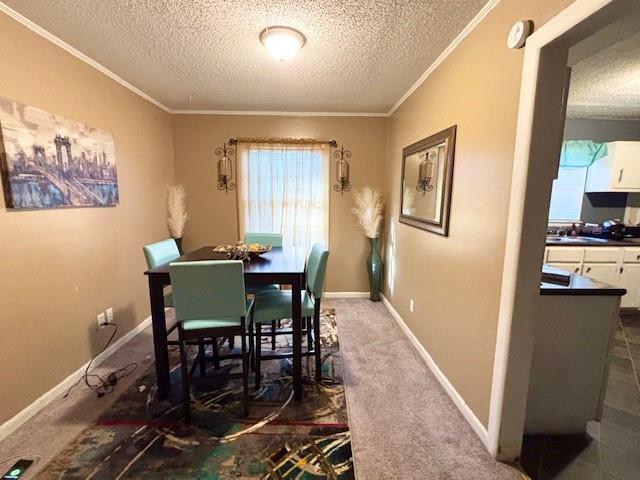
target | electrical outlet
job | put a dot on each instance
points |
(110, 315)
(411, 304)
(102, 319)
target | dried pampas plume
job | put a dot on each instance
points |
(368, 210)
(176, 210)
(408, 201)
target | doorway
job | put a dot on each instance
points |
(541, 114)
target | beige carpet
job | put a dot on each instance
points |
(404, 426)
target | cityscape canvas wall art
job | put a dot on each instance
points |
(48, 161)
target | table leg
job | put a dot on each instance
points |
(297, 338)
(158, 323)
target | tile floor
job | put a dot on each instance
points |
(611, 448)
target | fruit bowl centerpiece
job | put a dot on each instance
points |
(242, 251)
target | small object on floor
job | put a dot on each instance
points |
(18, 469)
(112, 379)
(142, 388)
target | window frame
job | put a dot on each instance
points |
(243, 179)
(556, 219)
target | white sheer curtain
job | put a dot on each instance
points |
(284, 188)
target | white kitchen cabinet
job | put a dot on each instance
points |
(630, 280)
(618, 266)
(564, 255)
(575, 268)
(631, 255)
(618, 171)
(601, 255)
(601, 272)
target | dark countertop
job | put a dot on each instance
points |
(578, 285)
(591, 242)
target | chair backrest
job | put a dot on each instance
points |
(273, 239)
(316, 268)
(161, 252)
(208, 289)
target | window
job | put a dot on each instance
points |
(284, 189)
(567, 194)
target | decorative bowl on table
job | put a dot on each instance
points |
(242, 251)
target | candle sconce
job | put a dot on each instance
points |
(425, 172)
(342, 170)
(225, 168)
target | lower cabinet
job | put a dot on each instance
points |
(568, 267)
(619, 266)
(602, 272)
(630, 280)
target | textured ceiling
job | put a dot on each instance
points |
(360, 56)
(606, 85)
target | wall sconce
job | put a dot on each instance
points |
(425, 173)
(342, 170)
(225, 168)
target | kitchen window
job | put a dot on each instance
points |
(284, 188)
(567, 194)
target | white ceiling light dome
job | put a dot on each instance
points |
(282, 42)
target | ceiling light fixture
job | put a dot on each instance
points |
(282, 42)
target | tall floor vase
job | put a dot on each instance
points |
(374, 268)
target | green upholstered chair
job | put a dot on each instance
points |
(273, 239)
(276, 305)
(158, 254)
(210, 301)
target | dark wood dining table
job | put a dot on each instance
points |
(280, 266)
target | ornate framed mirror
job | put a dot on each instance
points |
(425, 189)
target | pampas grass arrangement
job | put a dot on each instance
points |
(368, 211)
(408, 201)
(176, 210)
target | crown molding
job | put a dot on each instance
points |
(277, 114)
(76, 53)
(81, 56)
(484, 11)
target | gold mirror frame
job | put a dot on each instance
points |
(440, 227)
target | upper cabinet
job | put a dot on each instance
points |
(619, 171)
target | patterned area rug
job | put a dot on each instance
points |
(143, 438)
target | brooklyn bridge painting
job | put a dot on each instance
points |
(48, 161)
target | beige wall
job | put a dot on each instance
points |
(455, 281)
(213, 215)
(60, 268)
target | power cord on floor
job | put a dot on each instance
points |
(105, 383)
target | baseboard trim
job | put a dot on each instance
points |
(345, 295)
(459, 402)
(8, 427)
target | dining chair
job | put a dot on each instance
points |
(159, 253)
(210, 302)
(275, 240)
(277, 305)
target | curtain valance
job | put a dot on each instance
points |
(283, 141)
(581, 153)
